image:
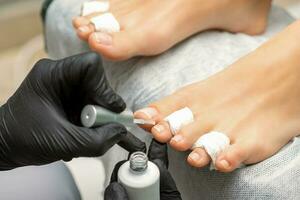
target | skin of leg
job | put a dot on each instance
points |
(146, 28)
(255, 102)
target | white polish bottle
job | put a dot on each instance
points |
(140, 178)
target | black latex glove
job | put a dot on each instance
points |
(158, 153)
(40, 123)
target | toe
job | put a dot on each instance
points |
(147, 114)
(85, 31)
(198, 158)
(233, 157)
(169, 104)
(80, 21)
(116, 46)
(83, 27)
(188, 135)
(161, 132)
(161, 109)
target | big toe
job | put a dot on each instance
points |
(169, 104)
(116, 46)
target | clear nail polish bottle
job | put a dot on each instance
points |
(140, 178)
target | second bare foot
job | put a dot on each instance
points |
(152, 27)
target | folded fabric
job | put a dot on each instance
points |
(214, 143)
(179, 118)
(93, 7)
(106, 23)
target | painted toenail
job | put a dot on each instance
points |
(103, 38)
(149, 112)
(159, 128)
(84, 29)
(195, 157)
(177, 138)
(224, 164)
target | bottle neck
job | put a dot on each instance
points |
(138, 162)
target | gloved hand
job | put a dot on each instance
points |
(40, 123)
(158, 154)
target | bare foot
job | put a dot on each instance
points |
(256, 102)
(151, 27)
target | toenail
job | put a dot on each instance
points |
(103, 38)
(224, 164)
(84, 29)
(177, 138)
(149, 112)
(159, 128)
(195, 156)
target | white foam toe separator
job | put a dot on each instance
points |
(106, 23)
(91, 7)
(214, 143)
(179, 118)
